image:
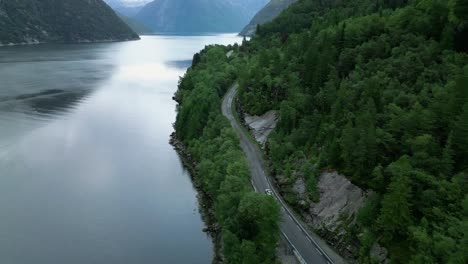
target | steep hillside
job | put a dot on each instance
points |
(128, 8)
(376, 91)
(191, 16)
(30, 21)
(248, 7)
(266, 14)
(135, 25)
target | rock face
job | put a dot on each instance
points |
(379, 253)
(261, 126)
(71, 21)
(196, 16)
(340, 200)
(267, 14)
(339, 203)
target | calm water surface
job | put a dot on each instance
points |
(86, 171)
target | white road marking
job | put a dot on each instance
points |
(255, 150)
(319, 251)
(253, 185)
(296, 252)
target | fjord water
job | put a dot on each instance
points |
(86, 171)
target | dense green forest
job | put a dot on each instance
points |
(377, 90)
(249, 221)
(267, 14)
(23, 21)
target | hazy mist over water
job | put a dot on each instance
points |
(86, 171)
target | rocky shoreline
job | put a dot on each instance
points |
(204, 200)
(85, 41)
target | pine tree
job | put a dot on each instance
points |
(461, 9)
(340, 39)
(447, 158)
(310, 65)
(459, 93)
(460, 137)
(196, 59)
(348, 143)
(395, 214)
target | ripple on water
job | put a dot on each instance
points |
(86, 169)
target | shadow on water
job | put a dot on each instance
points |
(53, 52)
(53, 101)
(86, 171)
(51, 79)
(179, 64)
(57, 102)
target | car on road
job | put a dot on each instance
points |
(269, 192)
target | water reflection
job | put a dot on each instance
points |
(179, 64)
(86, 171)
(41, 83)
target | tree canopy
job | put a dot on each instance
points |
(377, 90)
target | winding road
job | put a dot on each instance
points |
(307, 247)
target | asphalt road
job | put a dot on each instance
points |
(305, 244)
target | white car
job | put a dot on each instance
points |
(269, 192)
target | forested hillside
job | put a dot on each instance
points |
(377, 90)
(31, 21)
(127, 8)
(267, 14)
(198, 16)
(135, 25)
(248, 221)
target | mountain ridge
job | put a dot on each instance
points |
(127, 8)
(265, 15)
(198, 15)
(374, 91)
(68, 21)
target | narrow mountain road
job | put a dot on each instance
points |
(306, 246)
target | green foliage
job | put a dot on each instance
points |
(310, 175)
(249, 221)
(198, 16)
(395, 215)
(460, 137)
(369, 212)
(377, 90)
(266, 14)
(134, 24)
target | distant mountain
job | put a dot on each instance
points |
(192, 16)
(72, 21)
(249, 8)
(267, 14)
(128, 8)
(135, 25)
